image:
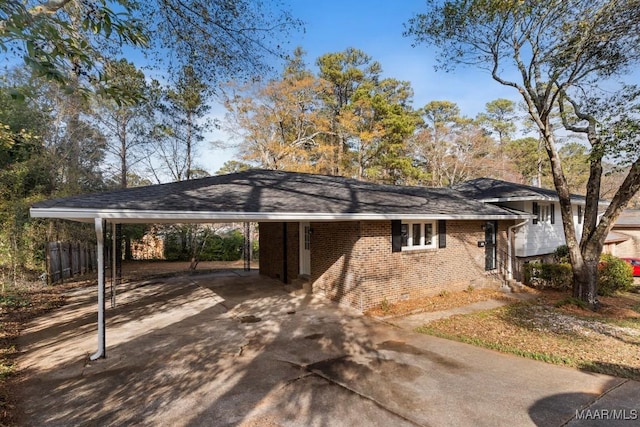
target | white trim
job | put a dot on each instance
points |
(411, 245)
(101, 352)
(149, 216)
(304, 235)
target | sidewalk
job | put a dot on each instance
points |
(412, 321)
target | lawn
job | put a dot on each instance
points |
(551, 328)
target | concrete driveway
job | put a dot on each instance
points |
(231, 349)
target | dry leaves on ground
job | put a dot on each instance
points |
(443, 301)
(18, 306)
(550, 329)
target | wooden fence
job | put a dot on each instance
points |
(65, 260)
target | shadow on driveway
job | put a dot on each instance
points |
(236, 349)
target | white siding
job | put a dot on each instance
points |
(578, 227)
(541, 238)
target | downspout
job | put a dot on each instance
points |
(100, 353)
(510, 248)
(285, 253)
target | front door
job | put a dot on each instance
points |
(490, 245)
(305, 248)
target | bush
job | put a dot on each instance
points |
(614, 275)
(553, 276)
(561, 254)
(178, 243)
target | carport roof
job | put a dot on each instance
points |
(263, 195)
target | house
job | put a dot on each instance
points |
(534, 238)
(624, 239)
(358, 243)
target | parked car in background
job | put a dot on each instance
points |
(635, 263)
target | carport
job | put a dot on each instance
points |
(223, 199)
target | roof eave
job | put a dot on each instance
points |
(539, 198)
(136, 216)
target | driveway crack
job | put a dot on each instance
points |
(595, 400)
(310, 372)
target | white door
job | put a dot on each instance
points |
(305, 248)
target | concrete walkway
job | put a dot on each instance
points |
(413, 321)
(236, 350)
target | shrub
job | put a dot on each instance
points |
(613, 275)
(179, 241)
(554, 276)
(561, 254)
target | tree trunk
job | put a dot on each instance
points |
(585, 281)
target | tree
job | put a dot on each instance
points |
(25, 176)
(233, 166)
(499, 119)
(280, 124)
(450, 148)
(560, 50)
(575, 164)
(377, 122)
(344, 121)
(185, 121)
(127, 126)
(529, 161)
(219, 39)
(344, 72)
(66, 40)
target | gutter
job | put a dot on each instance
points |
(149, 216)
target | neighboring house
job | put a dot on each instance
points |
(532, 239)
(358, 243)
(624, 239)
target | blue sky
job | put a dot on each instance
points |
(376, 27)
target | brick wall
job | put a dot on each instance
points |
(272, 252)
(352, 262)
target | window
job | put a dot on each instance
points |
(307, 237)
(418, 235)
(546, 213)
(543, 213)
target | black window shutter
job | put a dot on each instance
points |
(442, 233)
(396, 236)
(536, 212)
(552, 212)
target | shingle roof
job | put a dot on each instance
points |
(495, 190)
(629, 218)
(270, 195)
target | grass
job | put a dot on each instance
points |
(545, 357)
(554, 328)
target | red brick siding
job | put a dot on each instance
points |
(271, 250)
(293, 253)
(352, 263)
(333, 270)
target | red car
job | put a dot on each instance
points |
(635, 263)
